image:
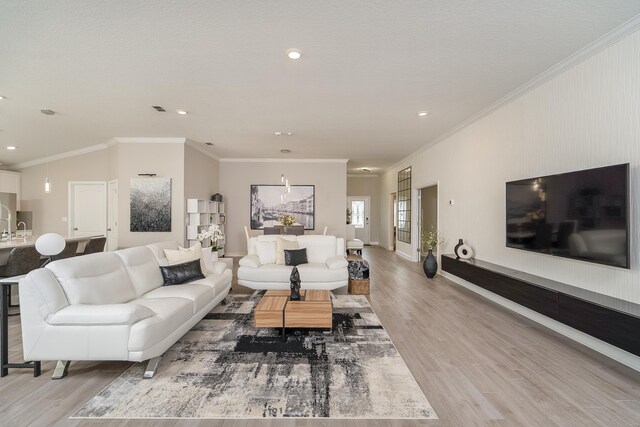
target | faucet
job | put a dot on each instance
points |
(8, 219)
(24, 230)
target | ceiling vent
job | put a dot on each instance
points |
(365, 170)
(208, 143)
(159, 108)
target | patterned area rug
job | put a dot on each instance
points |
(226, 368)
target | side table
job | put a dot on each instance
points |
(5, 284)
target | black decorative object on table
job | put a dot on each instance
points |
(295, 284)
(455, 250)
(430, 265)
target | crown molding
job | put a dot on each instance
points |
(149, 140)
(257, 160)
(355, 175)
(198, 147)
(571, 61)
(61, 156)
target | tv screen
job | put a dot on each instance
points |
(582, 215)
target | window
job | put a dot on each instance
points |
(357, 213)
(404, 205)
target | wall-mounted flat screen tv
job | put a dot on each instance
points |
(582, 215)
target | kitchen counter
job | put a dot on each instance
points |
(5, 247)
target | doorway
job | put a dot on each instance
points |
(112, 215)
(360, 210)
(87, 208)
(428, 217)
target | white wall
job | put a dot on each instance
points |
(167, 161)
(200, 174)
(588, 116)
(330, 179)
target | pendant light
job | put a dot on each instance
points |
(47, 181)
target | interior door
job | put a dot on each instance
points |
(360, 216)
(112, 216)
(87, 209)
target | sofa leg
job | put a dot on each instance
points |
(224, 301)
(152, 366)
(62, 369)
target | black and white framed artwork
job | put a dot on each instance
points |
(150, 199)
(270, 202)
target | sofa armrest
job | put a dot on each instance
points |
(219, 267)
(250, 261)
(105, 314)
(336, 262)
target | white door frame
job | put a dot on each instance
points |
(112, 209)
(367, 215)
(70, 193)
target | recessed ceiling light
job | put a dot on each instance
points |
(423, 114)
(365, 170)
(182, 112)
(285, 151)
(11, 147)
(1, 97)
(289, 133)
(294, 54)
(277, 133)
(47, 112)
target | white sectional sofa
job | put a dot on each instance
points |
(112, 306)
(327, 267)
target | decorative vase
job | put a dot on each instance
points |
(430, 265)
(455, 250)
(214, 256)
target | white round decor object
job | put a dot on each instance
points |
(50, 244)
(465, 251)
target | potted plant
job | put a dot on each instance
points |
(430, 241)
(287, 220)
(213, 234)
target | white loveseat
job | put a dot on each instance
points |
(327, 267)
(112, 306)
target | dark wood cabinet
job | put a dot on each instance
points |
(613, 326)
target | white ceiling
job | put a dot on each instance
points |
(367, 68)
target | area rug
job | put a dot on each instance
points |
(226, 368)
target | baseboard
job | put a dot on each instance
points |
(405, 256)
(234, 254)
(601, 347)
(374, 243)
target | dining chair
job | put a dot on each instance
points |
(70, 250)
(95, 245)
(21, 261)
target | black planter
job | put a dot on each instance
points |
(455, 250)
(430, 265)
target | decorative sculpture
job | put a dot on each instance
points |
(295, 284)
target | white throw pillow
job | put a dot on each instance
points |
(182, 255)
(266, 252)
(283, 244)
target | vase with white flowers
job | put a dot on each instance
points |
(213, 234)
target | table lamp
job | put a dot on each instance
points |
(50, 245)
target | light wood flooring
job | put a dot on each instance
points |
(477, 363)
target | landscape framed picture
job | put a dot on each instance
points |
(270, 202)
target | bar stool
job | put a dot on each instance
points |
(21, 261)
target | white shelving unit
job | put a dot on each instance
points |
(201, 214)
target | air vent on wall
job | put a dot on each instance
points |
(208, 143)
(159, 108)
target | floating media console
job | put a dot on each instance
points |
(609, 319)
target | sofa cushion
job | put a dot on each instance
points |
(251, 261)
(319, 247)
(266, 273)
(181, 273)
(199, 295)
(99, 278)
(170, 314)
(281, 246)
(142, 268)
(251, 248)
(266, 252)
(187, 254)
(158, 250)
(295, 256)
(319, 272)
(105, 314)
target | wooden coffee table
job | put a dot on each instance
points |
(315, 310)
